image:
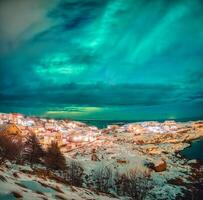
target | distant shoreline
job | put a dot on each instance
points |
(105, 123)
(185, 119)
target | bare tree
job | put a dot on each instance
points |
(10, 148)
(54, 159)
(195, 192)
(102, 177)
(134, 185)
(33, 151)
(74, 173)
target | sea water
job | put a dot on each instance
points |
(195, 151)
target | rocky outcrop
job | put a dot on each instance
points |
(157, 166)
(160, 166)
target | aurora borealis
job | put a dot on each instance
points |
(102, 59)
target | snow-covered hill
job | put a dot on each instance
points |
(18, 182)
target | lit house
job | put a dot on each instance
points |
(135, 128)
(12, 131)
(81, 137)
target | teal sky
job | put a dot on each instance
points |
(102, 59)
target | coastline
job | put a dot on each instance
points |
(190, 146)
(132, 146)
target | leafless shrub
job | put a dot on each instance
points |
(54, 158)
(195, 191)
(74, 172)
(133, 185)
(10, 148)
(102, 178)
(33, 151)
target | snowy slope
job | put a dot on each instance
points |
(25, 186)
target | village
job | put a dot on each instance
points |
(148, 147)
(68, 134)
(75, 135)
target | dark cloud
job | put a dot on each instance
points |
(96, 95)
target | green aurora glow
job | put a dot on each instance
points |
(102, 59)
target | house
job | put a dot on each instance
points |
(49, 126)
(12, 131)
(135, 128)
(58, 137)
(79, 137)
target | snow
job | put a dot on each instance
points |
(159, 144)
(32, 186)
(122, 148)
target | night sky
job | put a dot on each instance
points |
(102, 59)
